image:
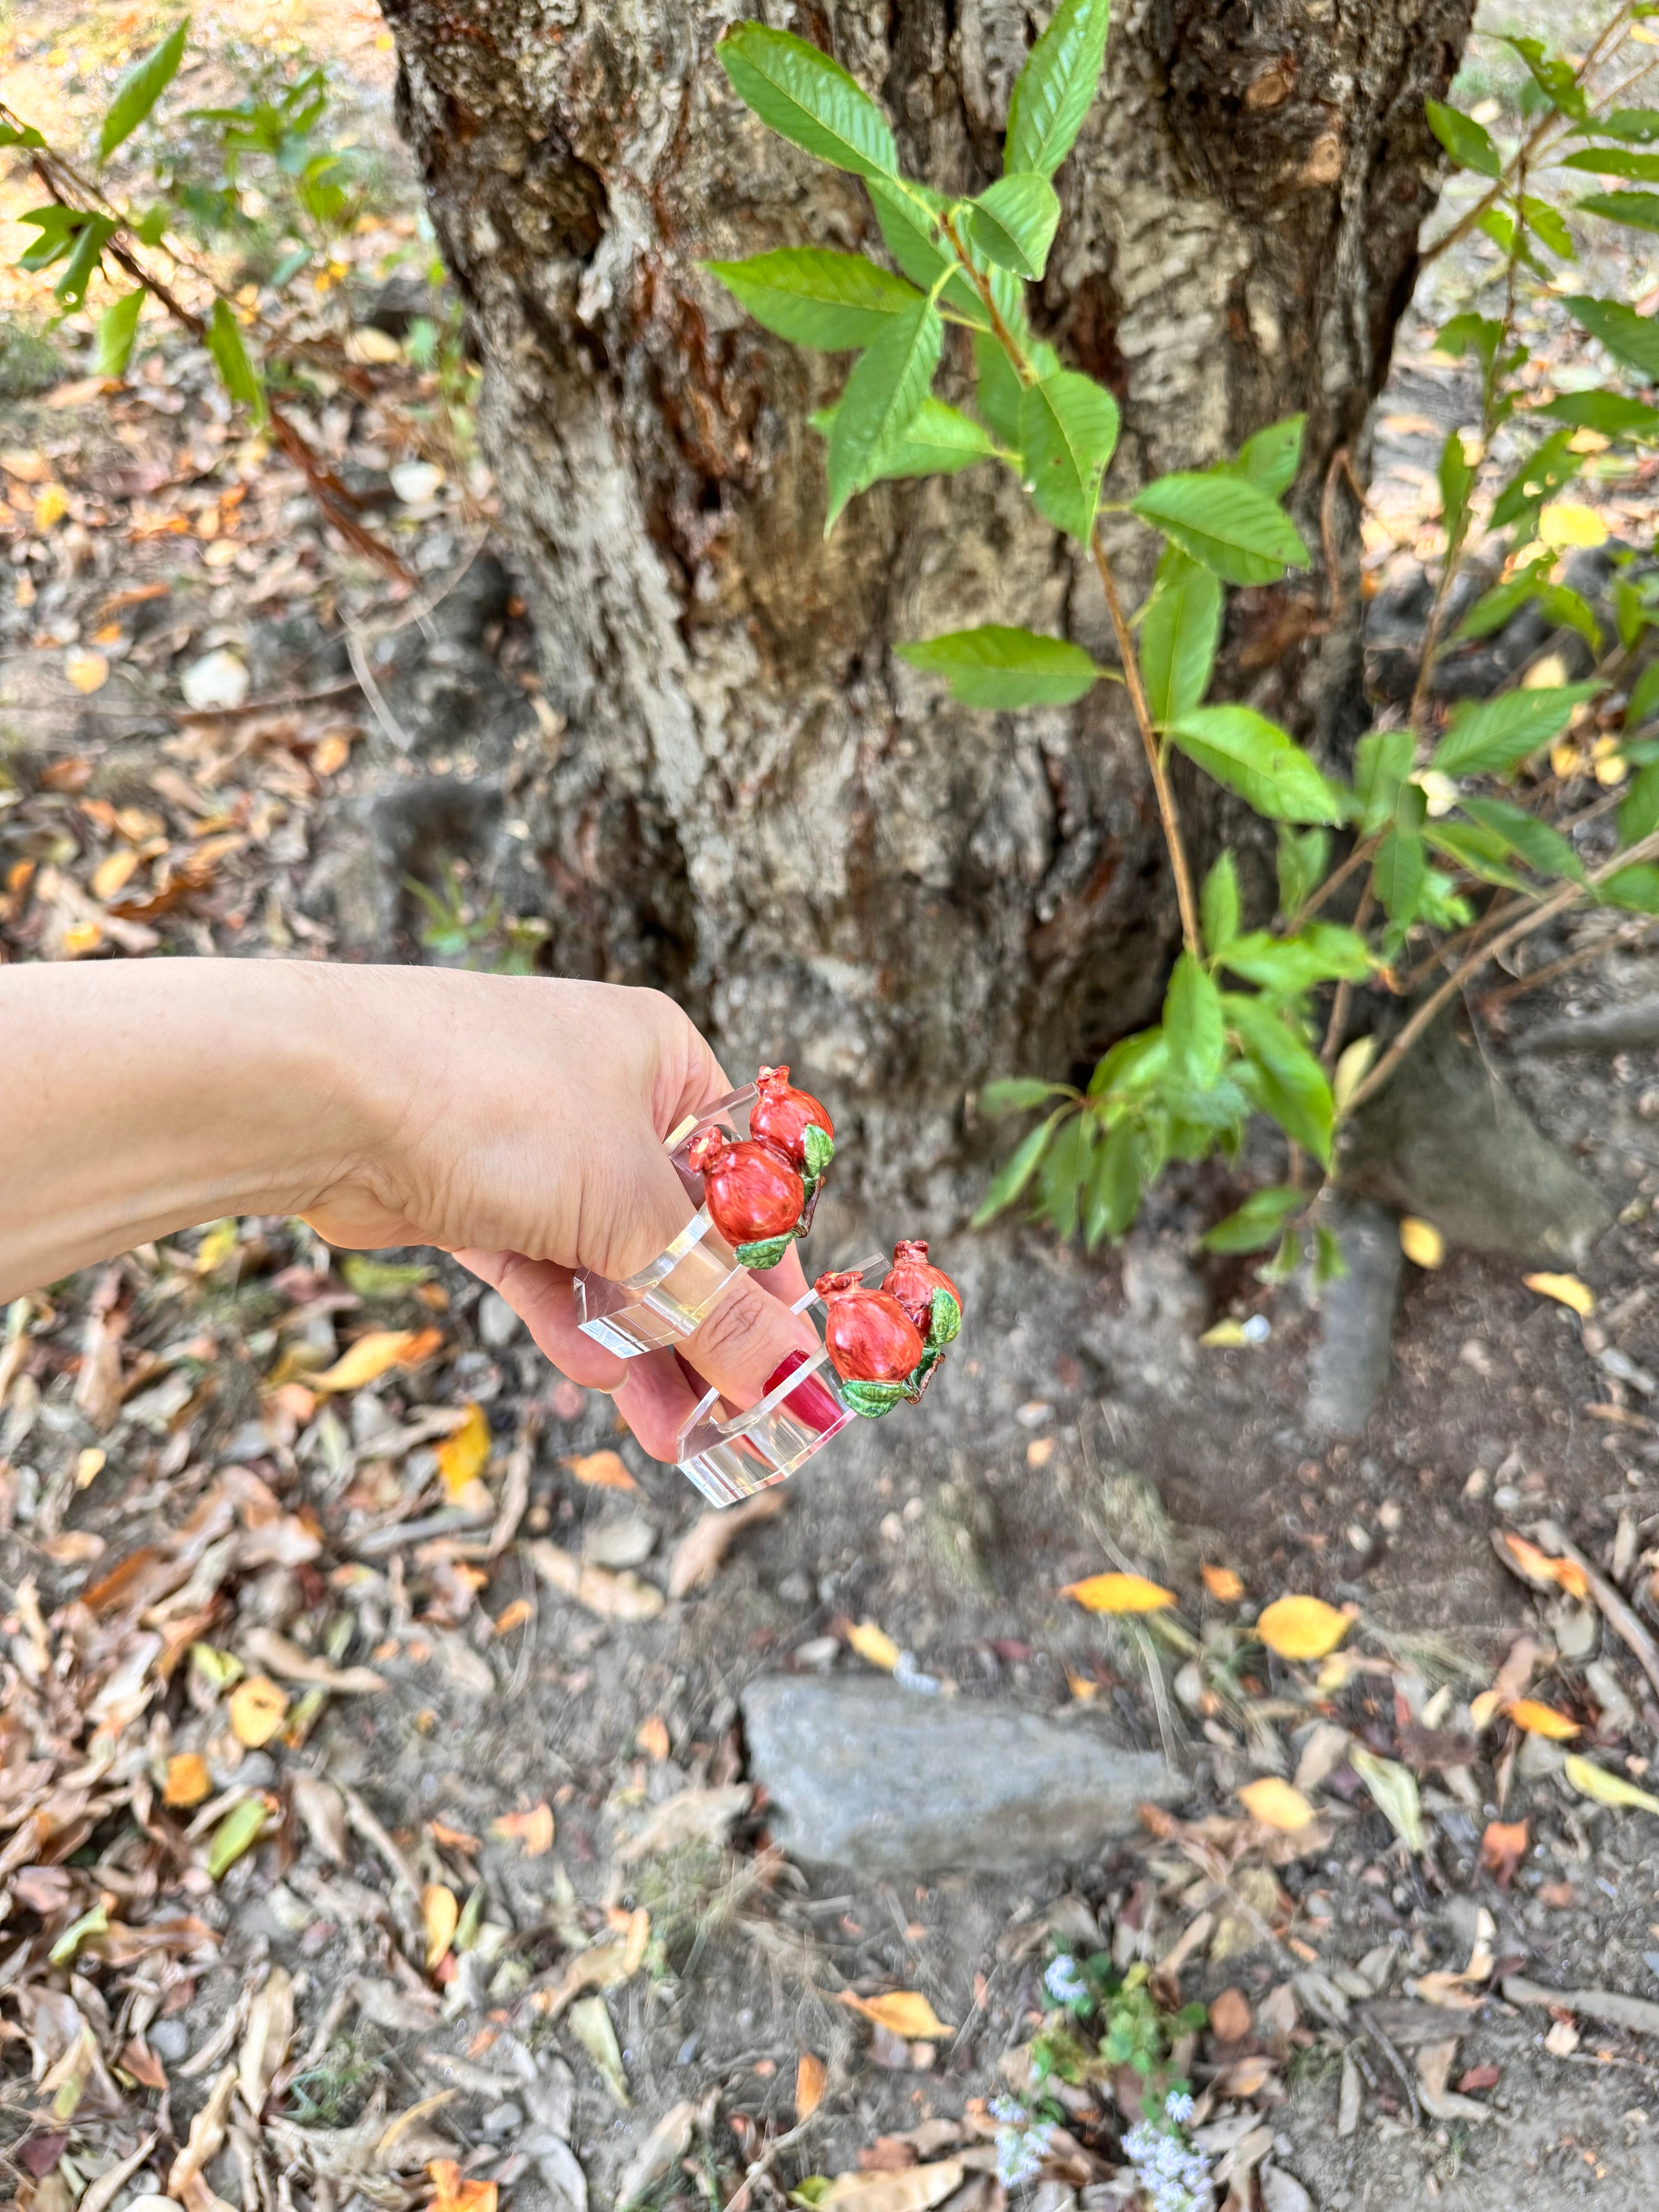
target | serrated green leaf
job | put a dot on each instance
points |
(1383, 761)
(1548, 224)
(1637, 126)
(813, 297)
(799, 92)
(1324, 953)
(1301, 864)
(1271, 458)
(1179, 633)
(1636, 211)
(1628, 337)
(1635, 888)
(1614, 413)
(1289, 1082)
(1401, 866)
(1067, 432)
(1539, 844)
(138, 88)
(1494, 609)
(1329, 1265)
(1456, 482)
(1064, 1172)
(1224, 523)
(1476, 851)
(905, 214)
(881, 399)
(1495, 735)
(1539, 477)
(1192, 1026)
(86, 258)
(1257, 1222)
(1467, 141)
(118, 329)
(1554, 76)
(1481, 335)
(19, 134)
(1114, 1186)
(1011, 1179)
(1615, 161)
(1638, 811)
(1055, 89)
(1257, 759)
(1218, 906)
(1643, 703)
(940, 441)
(230, 356)
(1132, 1065)
(998, 391)
(1014, 1094)
(1013, 222)
(997, 666)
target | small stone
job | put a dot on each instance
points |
(1034, 1413)
(1389, 1515)
(818, 1654)
(568, 1400)
(1356, 1320)
(506, 2120)
(1506, 1497)
(796, 1588)
(217, 680)
(624, 1540)
(169, 2039)
(416, 481)
(497, 1322)
(1478, 1483)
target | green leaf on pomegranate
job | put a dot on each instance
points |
(944, 1320)
(818, 1147)
(765, 1252)
(873, 1400)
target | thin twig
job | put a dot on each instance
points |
(1310, 905)
(383, 714)
(738, 2201)
(1490, 1001)
(1343, 999)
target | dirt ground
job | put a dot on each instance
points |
(168, 1412)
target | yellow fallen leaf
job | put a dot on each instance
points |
(87, 671)
(1563, 522)
(1421, 1242)
(1276, 1804)
(874, 1644)
(1302, 1627)
(601, 1470)
(1484, 1708)
(26, 467)
(88, 1465)
(1224, 1334)
(441, 1915)
(1119, 1593)
(1351, 1070)
(51, 505)
(452, 2193)
(913, 2189)
(532, 1831)
(1607, 1788)
(1538, 1568)
(113, 872)
(902, 2012)
(1541, 1720)
(514, 1615)
(258, 1710)
(371, 1357)
(188, 1780)
(463, 1456)
(811, 2074)
(651, 1737)
(331, 753)
(1566, 1290)
(1223, 1584)
(1545, 675)
(1082, 1686)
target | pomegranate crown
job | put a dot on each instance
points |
(706, 1148)
(772, 1078)
(848, 1280)
(909, 1248)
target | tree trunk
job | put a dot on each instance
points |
(756, 805)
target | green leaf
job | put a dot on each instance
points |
(1015, 1093)
(118, 328)
(1217, 906)
(383, 1278)
(1179, 632)
(1632, 614)
(873, 1400)
(1324, 953)
(90, 1924)
(1614, 413)
(1643, 703)
(999, 391)
(1270, 459)
(1569, 610)
(1394, 1791)
(881, 399)
(1383, 761)
(940, 441)
(1456, 482)
(906, 214)
(1255, 758)
(1475, 850)
(1063, 1173)
(86, 257)
(1134, 1064)
(1554, 77)
(1539, 844)
(1258, 1222)
(1538, 479)
(1329, 1265)
(1615, 161)
(1301, 864)
(1055, 89)
(1479, 335)
(1635, 888)
(1225, 523)
(238, 1833)
(236, 371)
(1067, 430)
(1114, 1186)
(1193, 1027)
(1500, 606)
(1010, 1180)
(1628, 337)
(1638, 811)
(1466, 141)
(803, 96)
(19, 134)
(813, 297)
(999, 667)
(1496, 735)
(1289, 1082)
(138, 88)
(1548, 224)
(1636, 210)
(1637, 125)
(1013, 222)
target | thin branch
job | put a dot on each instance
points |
(1490, 1001)
(1343, 999)
(1310, 905)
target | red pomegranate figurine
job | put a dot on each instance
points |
(754, 1196)
(874, 1345)
(792, 1121)
(926, 1292)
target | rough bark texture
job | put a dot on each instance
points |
(755, 803)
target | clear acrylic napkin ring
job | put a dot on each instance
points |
(667, 1301)
(728, 1456)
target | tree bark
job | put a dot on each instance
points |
(756, 805)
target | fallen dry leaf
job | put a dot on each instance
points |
(532, 1831)
(1276, 1804)
(51, 505)
(440, 1915)
(1119, 1593)
(601, 1470)
(265, 2040)
(113, 872)
(874, 1645)
(915, 2190)
(368, 1359)
(613, 1597)
(282, 1656)
(1434, 2063)
(1542, 1720)
(88, 671)
(901, 2012)
(651, 1737)
(1503, 1847)
(706, 1543)
(1223, 1585)
(1230, 2016)
(1537, 1567)
(451, 2193)
(515, 1616)
(188, 1780)
(811, 2074)
(1566, 1290)
(258, 1710)
(1606, 1787)
(659, 2154)
(463, 1456)
(1302, 1627)
(1422, 1242)
(701, 1816)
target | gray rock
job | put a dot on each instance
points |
(1446, 1140)
(1356, 1318)
(866, 1775)
(497, 1322)
(1610, 1029)
(169, 2039)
